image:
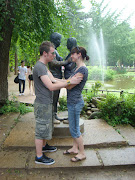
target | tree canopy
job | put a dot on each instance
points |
(24, 24)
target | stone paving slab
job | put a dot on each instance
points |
(96, 133)
(105, 157)
(23, 133)
(13, 159)
(63, 161)
(99, 132)
(7, 122)
(128, 132)
(121, 156)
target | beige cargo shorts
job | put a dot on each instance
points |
(44, 121)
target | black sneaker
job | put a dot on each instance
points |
(48, 148)
(44, 160)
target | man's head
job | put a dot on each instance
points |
(22, 63)
(45, 46)
(55, 38)
(71, 43)
(48, 50)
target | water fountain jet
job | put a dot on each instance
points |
(98, 53)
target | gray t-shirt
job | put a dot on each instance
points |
(43, 94)
(74, 95)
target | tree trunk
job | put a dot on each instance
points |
(6, 33)
(16, 62)
(8, 70)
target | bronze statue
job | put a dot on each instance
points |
(71, 66)
(55, 68)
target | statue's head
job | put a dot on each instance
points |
(55, 38)
(71, 42)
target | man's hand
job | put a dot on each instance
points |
(76, 79)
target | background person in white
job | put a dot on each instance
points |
(22, 70)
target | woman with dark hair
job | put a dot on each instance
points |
(30, 79)
(75, 103)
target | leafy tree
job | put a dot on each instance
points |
(116, 33)
(25, 24)
(30, 21)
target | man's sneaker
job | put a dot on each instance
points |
(20, 94)
(48, 148)
(44, 160)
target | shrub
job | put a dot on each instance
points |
(62, 104)
(117, 110)
(109, 74)
(15, 106)
(120, 70)
(96, 73)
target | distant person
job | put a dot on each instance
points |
(30, 80)
(56, 70)
(45, 83)
(22, 70)
(75, 103)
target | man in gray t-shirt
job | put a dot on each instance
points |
(45, 83)
(43, 94)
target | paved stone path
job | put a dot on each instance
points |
(110, 153)
(104, 146)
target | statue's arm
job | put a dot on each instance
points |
(60, 63)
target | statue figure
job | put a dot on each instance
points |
(56, 70)
(71, 66)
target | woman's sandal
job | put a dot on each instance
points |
(67, 152)
(77, 159)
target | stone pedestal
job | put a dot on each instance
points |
(62, 130)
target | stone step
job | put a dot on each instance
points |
(95, 158)
(97, 133)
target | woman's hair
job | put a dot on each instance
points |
(81, 50)
(45, 46)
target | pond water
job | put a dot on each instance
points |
(119, 83)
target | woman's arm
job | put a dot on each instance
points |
(52, 87)
(73, 85)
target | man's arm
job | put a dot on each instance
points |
(58, 85)
(73, 85)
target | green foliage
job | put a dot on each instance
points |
(87, 96)
(36, 20)
(120, 70)
(118, 36)
(15, 106)
(62, 104)
(96, 73)
(96, 86)
(109, 74)
(24, 109)
(118, 110)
